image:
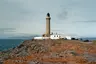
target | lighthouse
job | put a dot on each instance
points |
(47, 34)
(48, 18)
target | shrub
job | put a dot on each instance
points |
(86, 41)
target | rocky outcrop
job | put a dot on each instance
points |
(52, 52)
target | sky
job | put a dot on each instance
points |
(28, 17)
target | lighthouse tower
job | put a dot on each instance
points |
(48, 18)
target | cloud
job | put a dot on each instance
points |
(87, 21)
(24, 16)
(7, 30)
(12, 14)
(62, 15)
(11, 11)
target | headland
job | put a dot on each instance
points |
(52, 52)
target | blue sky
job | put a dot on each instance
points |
(27, 17)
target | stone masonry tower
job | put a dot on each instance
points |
(48, 18)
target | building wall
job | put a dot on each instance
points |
(41, 38)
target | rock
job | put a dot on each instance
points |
(53, 52)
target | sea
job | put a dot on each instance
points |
(6, 44)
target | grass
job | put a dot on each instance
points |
(94, 41)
